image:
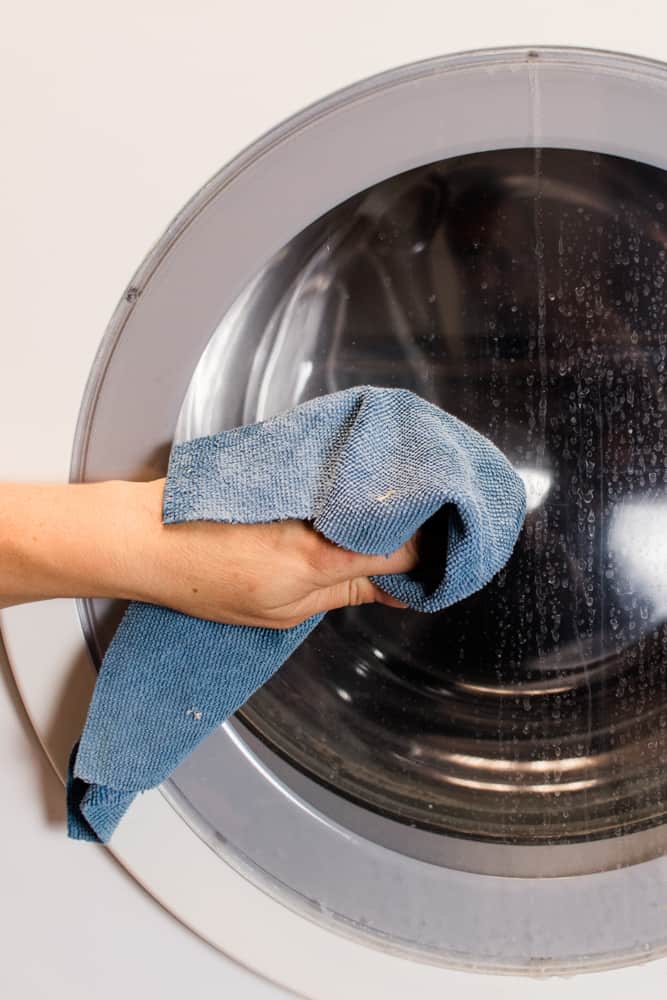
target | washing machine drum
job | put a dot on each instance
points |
(403, 776)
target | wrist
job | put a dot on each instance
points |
(124, 519)
(140, 539)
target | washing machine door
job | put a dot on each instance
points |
(489, 231)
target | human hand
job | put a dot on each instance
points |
(272, 575)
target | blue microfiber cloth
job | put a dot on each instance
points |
(368, 467)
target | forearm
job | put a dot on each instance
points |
(69, 540)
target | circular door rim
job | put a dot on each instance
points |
(201, 903)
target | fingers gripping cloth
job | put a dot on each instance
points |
(368, 467)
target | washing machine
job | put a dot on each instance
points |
(218, 212)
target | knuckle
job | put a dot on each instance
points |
(322, 557)
(355, 593)
(315, 554)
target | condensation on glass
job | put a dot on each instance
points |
(523, 291)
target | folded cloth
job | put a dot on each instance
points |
(368, 467)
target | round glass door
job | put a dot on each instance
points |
(497, 244)
(523, 291)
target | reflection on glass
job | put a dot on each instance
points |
(537, 483)
(638, 546)
(526, 295)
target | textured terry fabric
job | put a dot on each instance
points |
(368, 467)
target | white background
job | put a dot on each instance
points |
(110, 118)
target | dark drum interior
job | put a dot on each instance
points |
(523, 291)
